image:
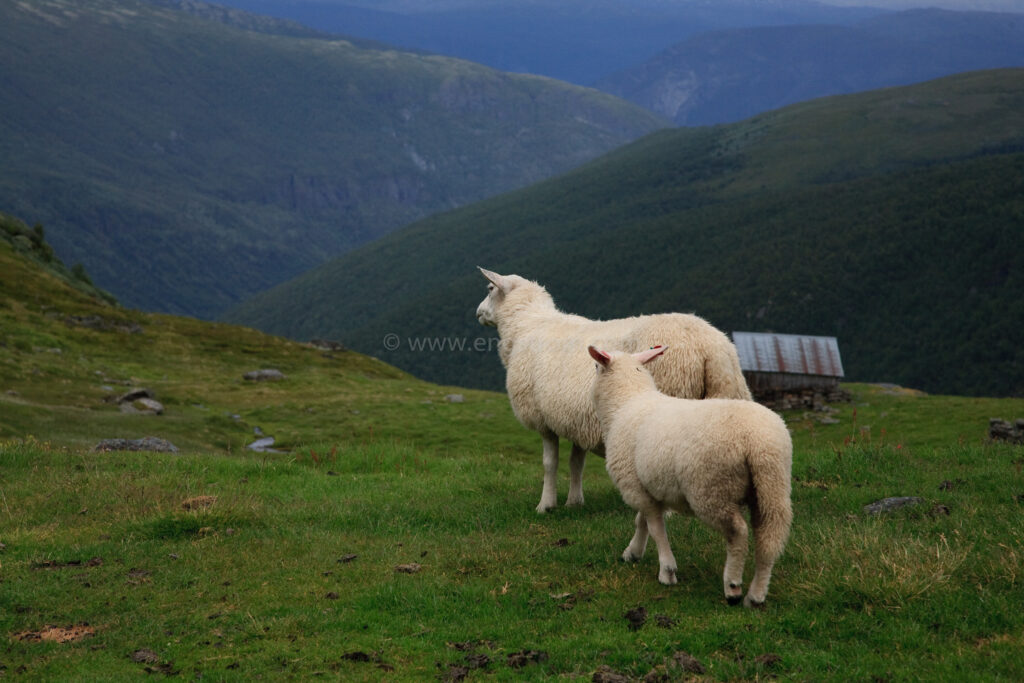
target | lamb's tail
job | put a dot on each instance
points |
(771, 510)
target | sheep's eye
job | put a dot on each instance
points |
(490, 288)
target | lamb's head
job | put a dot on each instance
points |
(506, 293)
(620, 375)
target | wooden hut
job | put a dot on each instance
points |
(788, 371)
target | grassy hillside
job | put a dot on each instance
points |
(889, 219)
(190, 158)
(396, 537)
(31, 244)
(67, 354)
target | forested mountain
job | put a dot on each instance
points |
(190, 155)
(890, 219)
(726, 76)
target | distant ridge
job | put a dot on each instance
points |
(579, 41)
(725, 76)
(889, 219)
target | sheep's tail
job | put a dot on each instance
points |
(771, 508)
(723, 377)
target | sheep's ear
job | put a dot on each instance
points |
(650, 354)
(499, 281)
(600, 356)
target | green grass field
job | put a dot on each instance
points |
(396, 538)
(294, 566)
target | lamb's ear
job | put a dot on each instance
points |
(650, 354)
(600, 356)
(499, 281)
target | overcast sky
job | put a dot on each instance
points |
(986, 5)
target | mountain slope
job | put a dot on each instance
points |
(730, 75)
(889, 219)
(579, 41)
(189, 159)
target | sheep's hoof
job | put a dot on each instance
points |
(574, 502)
(543, 508)
(667, 576)
(628, 556)
(734, 593)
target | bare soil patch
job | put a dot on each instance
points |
(57, 634)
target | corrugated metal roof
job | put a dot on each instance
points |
(788, 353)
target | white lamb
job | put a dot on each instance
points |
(548, 378)
(705, 458)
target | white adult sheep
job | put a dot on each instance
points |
(548, 379)
(706, 458)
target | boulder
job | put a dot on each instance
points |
(1003, 430)
(265, 375)
(890, 504)
(264, 445)
(134, 394)
(326, 345)
(146, 443)
(143, 406)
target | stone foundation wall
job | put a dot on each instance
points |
(801, 399)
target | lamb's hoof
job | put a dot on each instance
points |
(734, 600)
(546, 507)
(578, 502)
(751, 603)
(628, 556)
(667, 576)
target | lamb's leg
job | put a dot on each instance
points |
(770, 533)
(666, 561)
(635, 550)
(735, 557)
(576, 459)
(727, 520)
(549, 496)
(759, 584)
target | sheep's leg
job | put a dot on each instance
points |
(576, 459)
(635, 550)
(666, 561)
(549, 496)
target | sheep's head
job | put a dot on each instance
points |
(501, 288)
(497, 286)
(623, 369)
